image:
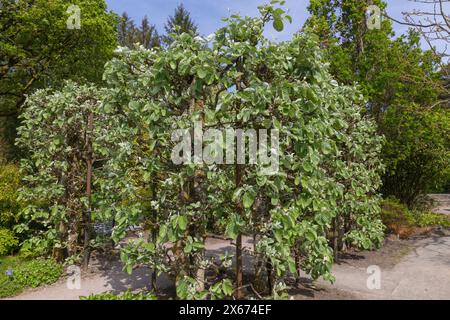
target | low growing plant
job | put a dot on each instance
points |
(8, 287)
(38, 272)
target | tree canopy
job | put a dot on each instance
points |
(38, 50)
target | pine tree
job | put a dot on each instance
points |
(179, 23)
(127, 31)
(148, 35)
(129, 34)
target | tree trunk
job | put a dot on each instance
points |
(297, 263)
(239, 272)
(335, 240)
(87, 218)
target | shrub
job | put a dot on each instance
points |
(330, 153)
(38, 272)
(128, 295)
(402, 221)
(394, 213)
(428, 219)
(416, 153)
(8, 242)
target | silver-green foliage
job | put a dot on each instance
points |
(329, 151)
(54, 132)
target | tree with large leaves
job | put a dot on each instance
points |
(329, 156)
(64, 134)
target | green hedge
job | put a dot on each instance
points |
(8, 242)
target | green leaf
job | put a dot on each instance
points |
(129, 268)
(292, 266)
(248, 200)
(278, 235)
(274, 201)
(310, 235)
(278, 24)
(232, 229)
(202, 73)
(326, 147)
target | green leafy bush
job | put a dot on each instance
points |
(128, 295)
(428, 219)
(8, 242)
(37, 272)
(9, 288)
(9, 204)
(395, 213)
(416, 153)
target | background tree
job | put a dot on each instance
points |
(240, 81)
(417, 152)
(179, 23)
(38, 50)
(394, 73)
(148, 35)
(433, 24)
(126, 30)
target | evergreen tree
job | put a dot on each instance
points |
(127, 31)
(129, 34)
(148, 35)
(401, 84)
(179, 23)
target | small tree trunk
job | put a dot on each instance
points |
(297, 263)
(61, 253)
(239, 271)
(200, 274)
(154, 276)
(87, 218)
(269, 276)
(335, 240)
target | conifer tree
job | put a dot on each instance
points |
(179, 23)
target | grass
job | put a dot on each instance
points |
(26, 274)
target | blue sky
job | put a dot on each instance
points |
(208, 13)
